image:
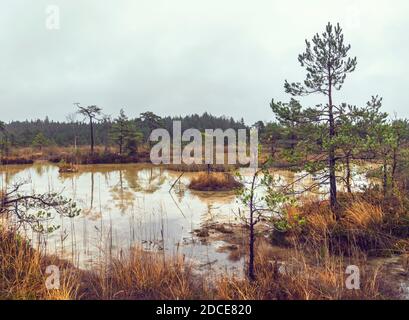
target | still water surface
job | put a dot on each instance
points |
(128, 205)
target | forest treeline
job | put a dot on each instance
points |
(66, 133)
(284, 131)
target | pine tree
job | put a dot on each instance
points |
(4, 140)
(327, 64)
(40, 141)
(91, 112)
(121, 131)
(134, 138)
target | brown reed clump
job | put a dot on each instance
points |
(23, 272)
(304, 277)
(142, 275)
(214, 182)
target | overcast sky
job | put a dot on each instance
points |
(188, 56)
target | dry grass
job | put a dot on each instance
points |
(23, 276)
(64, 167)
(12, 160)
(365, 223)
(80, 155)
(296, 276)
(145, 275)
(299, 277)
(214, 182)
(363, 215)
(200, 167)
(142, 275)
(313, 268)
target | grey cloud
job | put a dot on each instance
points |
(182, 56)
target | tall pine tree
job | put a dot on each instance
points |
(327, 64)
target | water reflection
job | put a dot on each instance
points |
(127, 205)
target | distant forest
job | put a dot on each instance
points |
(24, 133)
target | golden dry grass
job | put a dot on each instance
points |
(142, 275)
(200, 167)
(376, 227)
(214, 182)
(146, 275)
(64, 167)
(363, 215)
(312, 268)
(79, 155)
(299, 277)
(23, 272)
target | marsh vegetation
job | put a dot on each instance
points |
(330, 192)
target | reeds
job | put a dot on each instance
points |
(376, 227)
(142, 275)
(312, 267)
(302, 277)
(149, 275)
(23, 272)
(201, 167)
(214, 182)
(64, 167)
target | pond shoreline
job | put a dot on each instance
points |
(129, 206)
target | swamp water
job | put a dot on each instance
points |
(131, 205)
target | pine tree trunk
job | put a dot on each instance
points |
(92, 191)
(348, 173)
(394, 166)
(92, 134)
(331, 153)
(385, 177)
(273, 150)
(251, 273)
(252, 276)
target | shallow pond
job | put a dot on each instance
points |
(128, 205)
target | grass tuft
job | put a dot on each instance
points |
(214, 182)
